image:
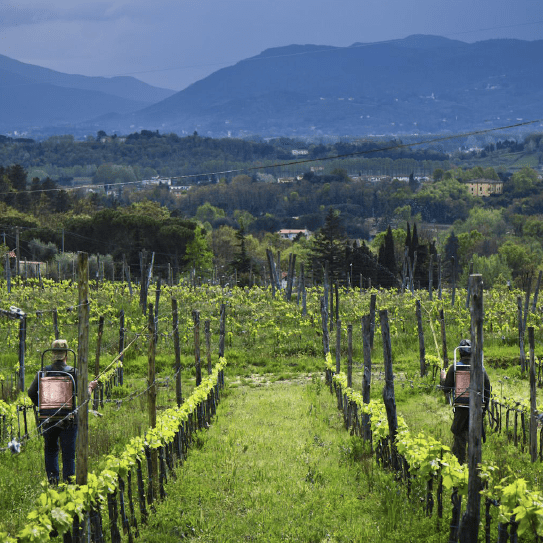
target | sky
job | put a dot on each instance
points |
(173, 43)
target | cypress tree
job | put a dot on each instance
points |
(387, 260)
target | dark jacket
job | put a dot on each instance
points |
(461, 414)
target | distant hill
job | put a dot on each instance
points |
(418, 85)
(421, 84)
(32, 97)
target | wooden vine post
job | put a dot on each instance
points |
(55, 323)
(222, 330)
(366, 381)
(271, 266)
(126, 269)
(302, 286)
(388, 390)
(439, 277)
(157, 302)
(278, 272)
(331, 314)
(337, 301)
(120, 373)
(207, 331)
(347, 406)
(533, 393)
(22, 349)
(373, 302)
(177, 350)
(197, 361)
(290, 276)
(422, 349)
(350, 356)
(82, 441)
(325, 285)
(527, 304)
(469, 527)
(17, 250)
(143, 281)
(338, 346)
(430, 276)
(97, 361)
(521, 336)
(443, 339)
(151, 399)
(8, 273)
(324, 319)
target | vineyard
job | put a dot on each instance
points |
(254, 335)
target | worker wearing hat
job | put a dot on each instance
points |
(64, 431)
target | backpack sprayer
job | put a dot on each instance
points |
(57, 392)
(462, 379)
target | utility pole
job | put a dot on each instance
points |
(17, 251)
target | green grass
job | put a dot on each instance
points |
(278, 465)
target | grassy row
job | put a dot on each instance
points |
(277, 465)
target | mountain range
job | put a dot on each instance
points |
(417, 85)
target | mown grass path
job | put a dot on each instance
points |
(278, 465)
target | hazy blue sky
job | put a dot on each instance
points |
(172, 43)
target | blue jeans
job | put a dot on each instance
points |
(66, 433)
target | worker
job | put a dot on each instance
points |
(55, 431)
(451, 384)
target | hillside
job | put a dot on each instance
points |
(42, 100)
(415, 86)
(422, 84)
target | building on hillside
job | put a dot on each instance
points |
(484, 187)
(157, 180)
(285, 233)
(31, 269)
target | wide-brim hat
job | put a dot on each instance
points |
(59, 349)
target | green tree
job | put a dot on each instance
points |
(468, 242)
(329, 245)
(110, 174)
(198, 255)
(17, 177)
(242, 263)
(209, 213)
(521, 260)
(488, 222)
(42, 252)
(493, 269)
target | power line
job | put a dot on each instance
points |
(298, 162)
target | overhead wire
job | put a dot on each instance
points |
(393, 147)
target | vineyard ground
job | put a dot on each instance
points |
(278, 465)
(270, 347)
